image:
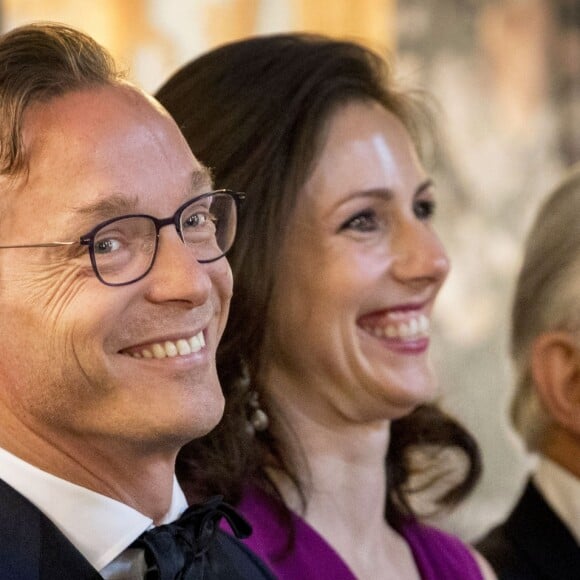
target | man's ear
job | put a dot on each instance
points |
(556, 372)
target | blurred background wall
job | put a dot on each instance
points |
(506, 74)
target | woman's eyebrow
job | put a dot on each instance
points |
(423, 186)
(387, 193)
(379, 192)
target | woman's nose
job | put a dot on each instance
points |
(420, 255)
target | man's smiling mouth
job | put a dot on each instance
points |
(169, 348)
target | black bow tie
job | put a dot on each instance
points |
(178, 551)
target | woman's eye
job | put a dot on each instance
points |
(424, 208)
(365, 221)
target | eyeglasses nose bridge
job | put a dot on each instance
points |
(177, 224)
(174, 220)
(161, 223)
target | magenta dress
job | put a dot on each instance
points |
(439, 556)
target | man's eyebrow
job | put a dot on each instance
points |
(111, 206)
(202, 179)
(118, 204)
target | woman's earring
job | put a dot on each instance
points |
(257, 420)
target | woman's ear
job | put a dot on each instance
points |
(556, 371)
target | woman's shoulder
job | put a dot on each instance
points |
(439, 554)
(286, 542)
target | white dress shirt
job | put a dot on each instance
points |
(561, 490)
(98, 526)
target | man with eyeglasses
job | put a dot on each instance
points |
(113, 295)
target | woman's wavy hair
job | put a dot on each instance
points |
(255, 111)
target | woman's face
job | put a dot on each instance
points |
(359, 271)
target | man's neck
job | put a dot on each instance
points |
(127, 473)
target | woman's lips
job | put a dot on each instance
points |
(403, 330)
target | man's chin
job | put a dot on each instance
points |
(204, 418)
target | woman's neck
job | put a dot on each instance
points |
(343, 475)
(341, 468)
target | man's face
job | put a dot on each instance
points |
(69, 370)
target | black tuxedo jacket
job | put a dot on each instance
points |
(32, 548)
(532, 543)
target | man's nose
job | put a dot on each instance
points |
(176, 274)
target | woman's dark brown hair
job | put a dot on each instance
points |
(255, 111)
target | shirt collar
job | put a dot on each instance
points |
(98, 526)
(561, 490)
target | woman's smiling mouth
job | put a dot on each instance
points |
(404, 329)
(412, 328)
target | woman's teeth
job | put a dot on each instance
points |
(408, 330)
(170, 348)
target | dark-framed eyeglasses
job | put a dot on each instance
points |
(123, 249)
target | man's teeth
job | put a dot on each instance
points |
(410, 329)
(170, 348)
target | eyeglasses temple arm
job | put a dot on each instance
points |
(46, 245)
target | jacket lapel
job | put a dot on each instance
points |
(536, 529)
(31, 547)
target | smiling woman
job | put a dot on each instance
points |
(324, 361)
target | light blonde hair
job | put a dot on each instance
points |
(39, 62)
(546, 298)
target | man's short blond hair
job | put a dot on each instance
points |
(39, 62)
(547, 297)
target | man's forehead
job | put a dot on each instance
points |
(114, 135)
(96, 117)
(66, 106)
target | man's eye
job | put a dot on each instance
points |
(197, 220)
(424, 208)
(365, 221)
(107, 246)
